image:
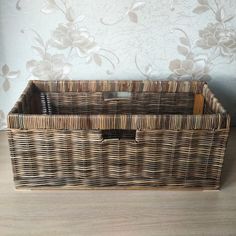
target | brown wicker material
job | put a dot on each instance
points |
(117, 134)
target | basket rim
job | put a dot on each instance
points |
(24, 121)
(122, 85)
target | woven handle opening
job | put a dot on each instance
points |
(114, 96)
(118, 134)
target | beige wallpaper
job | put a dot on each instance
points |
(117, 39)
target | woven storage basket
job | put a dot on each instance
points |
(117, 134)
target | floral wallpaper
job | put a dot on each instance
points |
(117, 39)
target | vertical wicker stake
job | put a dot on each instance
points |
(198, 104)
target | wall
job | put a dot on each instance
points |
(117, 39)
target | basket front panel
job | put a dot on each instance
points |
(81, 158)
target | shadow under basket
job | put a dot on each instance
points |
(117, 135)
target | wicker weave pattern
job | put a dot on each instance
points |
(65, 134)
(156, 158)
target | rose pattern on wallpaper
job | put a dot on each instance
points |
(217, 40)
(200, 33)
(49, 66)
(216, 36)
(70, 37)
(193, 66)
(220, 38)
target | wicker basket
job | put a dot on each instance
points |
(117, 134)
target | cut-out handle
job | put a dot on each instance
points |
(118, 134)
(116, 96)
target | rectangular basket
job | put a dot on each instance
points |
(117, 134)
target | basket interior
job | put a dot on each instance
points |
(44, 101)
(136, 103)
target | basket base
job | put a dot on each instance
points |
(121, 184)
(173, 188)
